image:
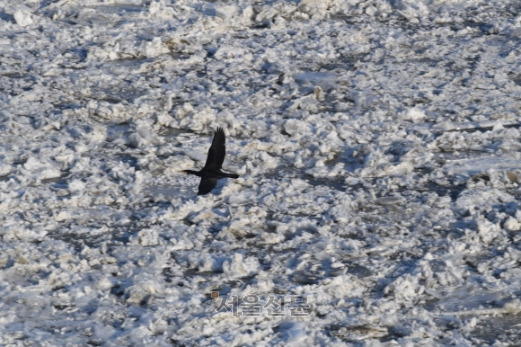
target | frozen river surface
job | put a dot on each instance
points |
(378, 144)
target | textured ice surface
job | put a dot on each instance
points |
(378, 146)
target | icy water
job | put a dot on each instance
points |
(377, 142)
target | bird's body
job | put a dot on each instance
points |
(211, 172)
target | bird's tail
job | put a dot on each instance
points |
(232, 175)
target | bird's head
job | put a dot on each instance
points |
(189, 172)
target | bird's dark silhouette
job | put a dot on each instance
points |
(211, 172)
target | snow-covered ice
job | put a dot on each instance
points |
(378, 144)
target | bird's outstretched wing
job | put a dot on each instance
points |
(206, 185)
(217, 151)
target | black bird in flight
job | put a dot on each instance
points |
(211, 172)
